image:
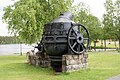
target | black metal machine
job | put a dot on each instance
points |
(63, 36)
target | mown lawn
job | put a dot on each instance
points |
(102, 65)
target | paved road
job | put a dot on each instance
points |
(115, 77)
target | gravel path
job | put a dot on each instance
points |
(115, 77)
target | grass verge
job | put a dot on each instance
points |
(102, 65)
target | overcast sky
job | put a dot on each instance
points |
(96, 8)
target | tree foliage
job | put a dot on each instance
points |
(108, 19)
(8, 40)
(117, 20)
(26, 18)
(111, 20)
(91, 22)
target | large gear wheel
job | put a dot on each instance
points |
(78, 38)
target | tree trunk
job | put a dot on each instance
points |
(20, 49)
(101, 44)
(105, 45)
(115, 44)
(119, 40)
(95, 45)
(119, 44)
(109, 41)
(90, 46)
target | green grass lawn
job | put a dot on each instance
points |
(102, 65)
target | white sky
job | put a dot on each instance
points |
(3, 28)
(96, 8)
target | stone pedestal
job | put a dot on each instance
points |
(38, 59)
(69, 62)
(72, 62)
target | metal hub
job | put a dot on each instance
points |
(80, 39)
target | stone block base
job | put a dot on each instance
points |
(72, 62)
(69, 62)
(38, 59)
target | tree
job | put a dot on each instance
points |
(91, 22)
(7, 40)
(117, 20)
(111, 20)
(108, 21)
(26, 18)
